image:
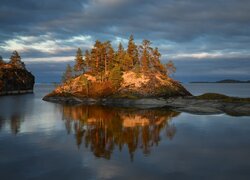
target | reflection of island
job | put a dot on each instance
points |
(104, 129)
(14, 110)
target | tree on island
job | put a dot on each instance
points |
(67, 74)
(15, 60)
(145, 57)
(156, 62)
(116, 76)
(79, 62)
(170, 68)
(132, 51)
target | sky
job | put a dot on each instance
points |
(207, 40)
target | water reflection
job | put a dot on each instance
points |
(103, 129)
(13, 110)
(14, 123)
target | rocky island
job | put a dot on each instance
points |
(134, 77)
(14, 77)
(106, 74)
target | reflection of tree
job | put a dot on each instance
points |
(104, 129)
(14, 123)
(1, 123)
(170, 131)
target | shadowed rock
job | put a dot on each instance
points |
(15, 81)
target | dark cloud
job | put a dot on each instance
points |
(182, 29)
(173, 20)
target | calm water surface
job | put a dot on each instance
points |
(41, 140)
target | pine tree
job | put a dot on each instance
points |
(170, 68)
(15, 60)
(96, 57)
(157, 65)
(111, 57)
(127, 62)
(87, 59)
(145, 57)
(79, 62)
(116, 76)
(136, 56)
(120, 53)
(102, 69)
(132, 51)
(67, 74)
(108, 54)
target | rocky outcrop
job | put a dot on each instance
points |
(181, 104)
(204, 106)
(15, 81)
(145, 91)
(132, 86)
(150, 85)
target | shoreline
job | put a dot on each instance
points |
(16, 92)
(188, 104)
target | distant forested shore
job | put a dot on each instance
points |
(223, 81)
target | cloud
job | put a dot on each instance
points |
(210, 55)
(46, 44)
(50, 59)
(183, 29)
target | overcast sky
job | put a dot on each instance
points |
(207, 40)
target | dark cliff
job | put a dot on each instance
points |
(15, 81)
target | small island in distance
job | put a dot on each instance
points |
(135, 78)
(223, 81)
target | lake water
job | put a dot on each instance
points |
(230, 89)
(42, 140)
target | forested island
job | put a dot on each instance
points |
(14, 77)
(135, 72)
(135, 77)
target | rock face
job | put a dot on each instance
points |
(15, 81)
(151, 85)
(181, 104)
(204, 106)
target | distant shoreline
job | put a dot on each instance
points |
(222, 81)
